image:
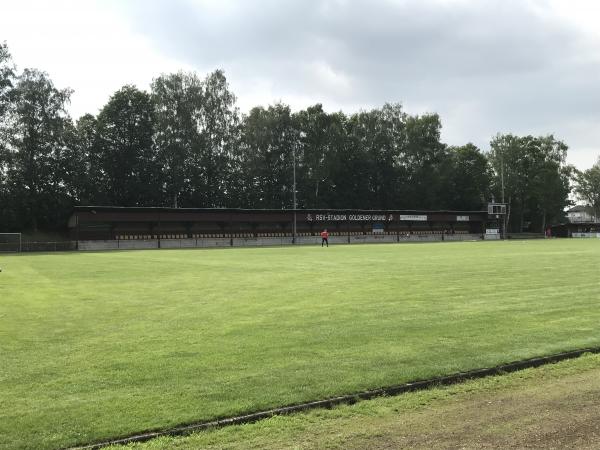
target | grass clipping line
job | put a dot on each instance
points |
(346, 399)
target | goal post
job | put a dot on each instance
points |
(11, 243)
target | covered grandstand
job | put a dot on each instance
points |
(154, 227)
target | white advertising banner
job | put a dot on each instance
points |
(413, 217)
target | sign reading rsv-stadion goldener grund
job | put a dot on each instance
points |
(358, 217)
(336, 217)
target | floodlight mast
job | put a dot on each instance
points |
(502, 182)
(294, 171)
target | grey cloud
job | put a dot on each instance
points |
(506, 65)
(407, 37)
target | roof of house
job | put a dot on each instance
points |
(582, 208)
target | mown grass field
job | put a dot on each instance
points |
(99, 345)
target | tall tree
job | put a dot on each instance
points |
(380, 134)
(218, 129)
(7, 219)
(470, 178)
(587, 186)
(531, 175)
(319, 135)
(178, 100)
(36, 145)
(335, 182)
(422, 158)
(195, 136)
(550, 193)
(131, 175)
(351, 166)
(7, 74)
(266, 155)
(83, 166)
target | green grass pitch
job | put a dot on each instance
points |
(99, 345)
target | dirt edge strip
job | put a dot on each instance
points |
(345, 399)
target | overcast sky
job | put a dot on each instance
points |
(486, 66)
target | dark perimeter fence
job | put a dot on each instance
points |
(25, 246)
(65, 246)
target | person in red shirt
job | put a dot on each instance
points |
(324, 237)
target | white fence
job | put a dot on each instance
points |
(266, 241)
(586, 235)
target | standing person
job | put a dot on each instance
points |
(324, 237)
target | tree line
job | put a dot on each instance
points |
(184, 143)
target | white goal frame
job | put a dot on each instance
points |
(18, 243)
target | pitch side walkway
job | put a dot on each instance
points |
(556, 406)
(418, 386)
